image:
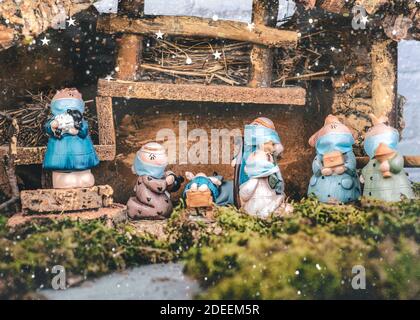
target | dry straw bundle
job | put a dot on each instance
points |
(195, 61)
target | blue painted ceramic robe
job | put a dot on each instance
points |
(70, 153)
(342, 188)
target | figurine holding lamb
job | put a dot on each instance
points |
(70, 153)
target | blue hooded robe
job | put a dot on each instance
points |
(254, 137)
(342, 188)
(69, 153)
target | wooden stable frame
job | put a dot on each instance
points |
(201, 93)
(263, 34)
(198, 27)
(106, 149)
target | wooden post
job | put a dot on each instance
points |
(384, 79)
(11, 167)
(264, 12)
(130, 46)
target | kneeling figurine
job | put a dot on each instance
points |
(152, 199)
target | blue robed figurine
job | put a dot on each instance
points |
(334, 177)
(70, 153)
(261, 134)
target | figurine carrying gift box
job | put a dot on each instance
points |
(334, 177)
(152, 200)
(261, 186)
(384, 177)
(70, 153)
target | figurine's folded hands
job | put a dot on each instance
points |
(173, 181)
(170, 179)
(326, 171)
(340, 170)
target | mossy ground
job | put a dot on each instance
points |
(308, 255)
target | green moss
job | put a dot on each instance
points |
(416, 187)
(310, 255)
(303, 266)
(307, 255)
(85, 249)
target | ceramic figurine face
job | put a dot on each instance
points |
(333, 136)
(261, 156)
(153, 153)
(67, 99)
(271, 146)
(151, 160)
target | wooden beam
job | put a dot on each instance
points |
(409, 161)
(261, 71)
(335, 6)
(71, 199)
(129, 56)
(130, 46)
(29, 19)
(202, 93)
(198, 27)
(106, 126)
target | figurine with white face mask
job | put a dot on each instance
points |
(152, 199)
(261, 185)
(384, 177)
(334, 177)
(70, 153)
